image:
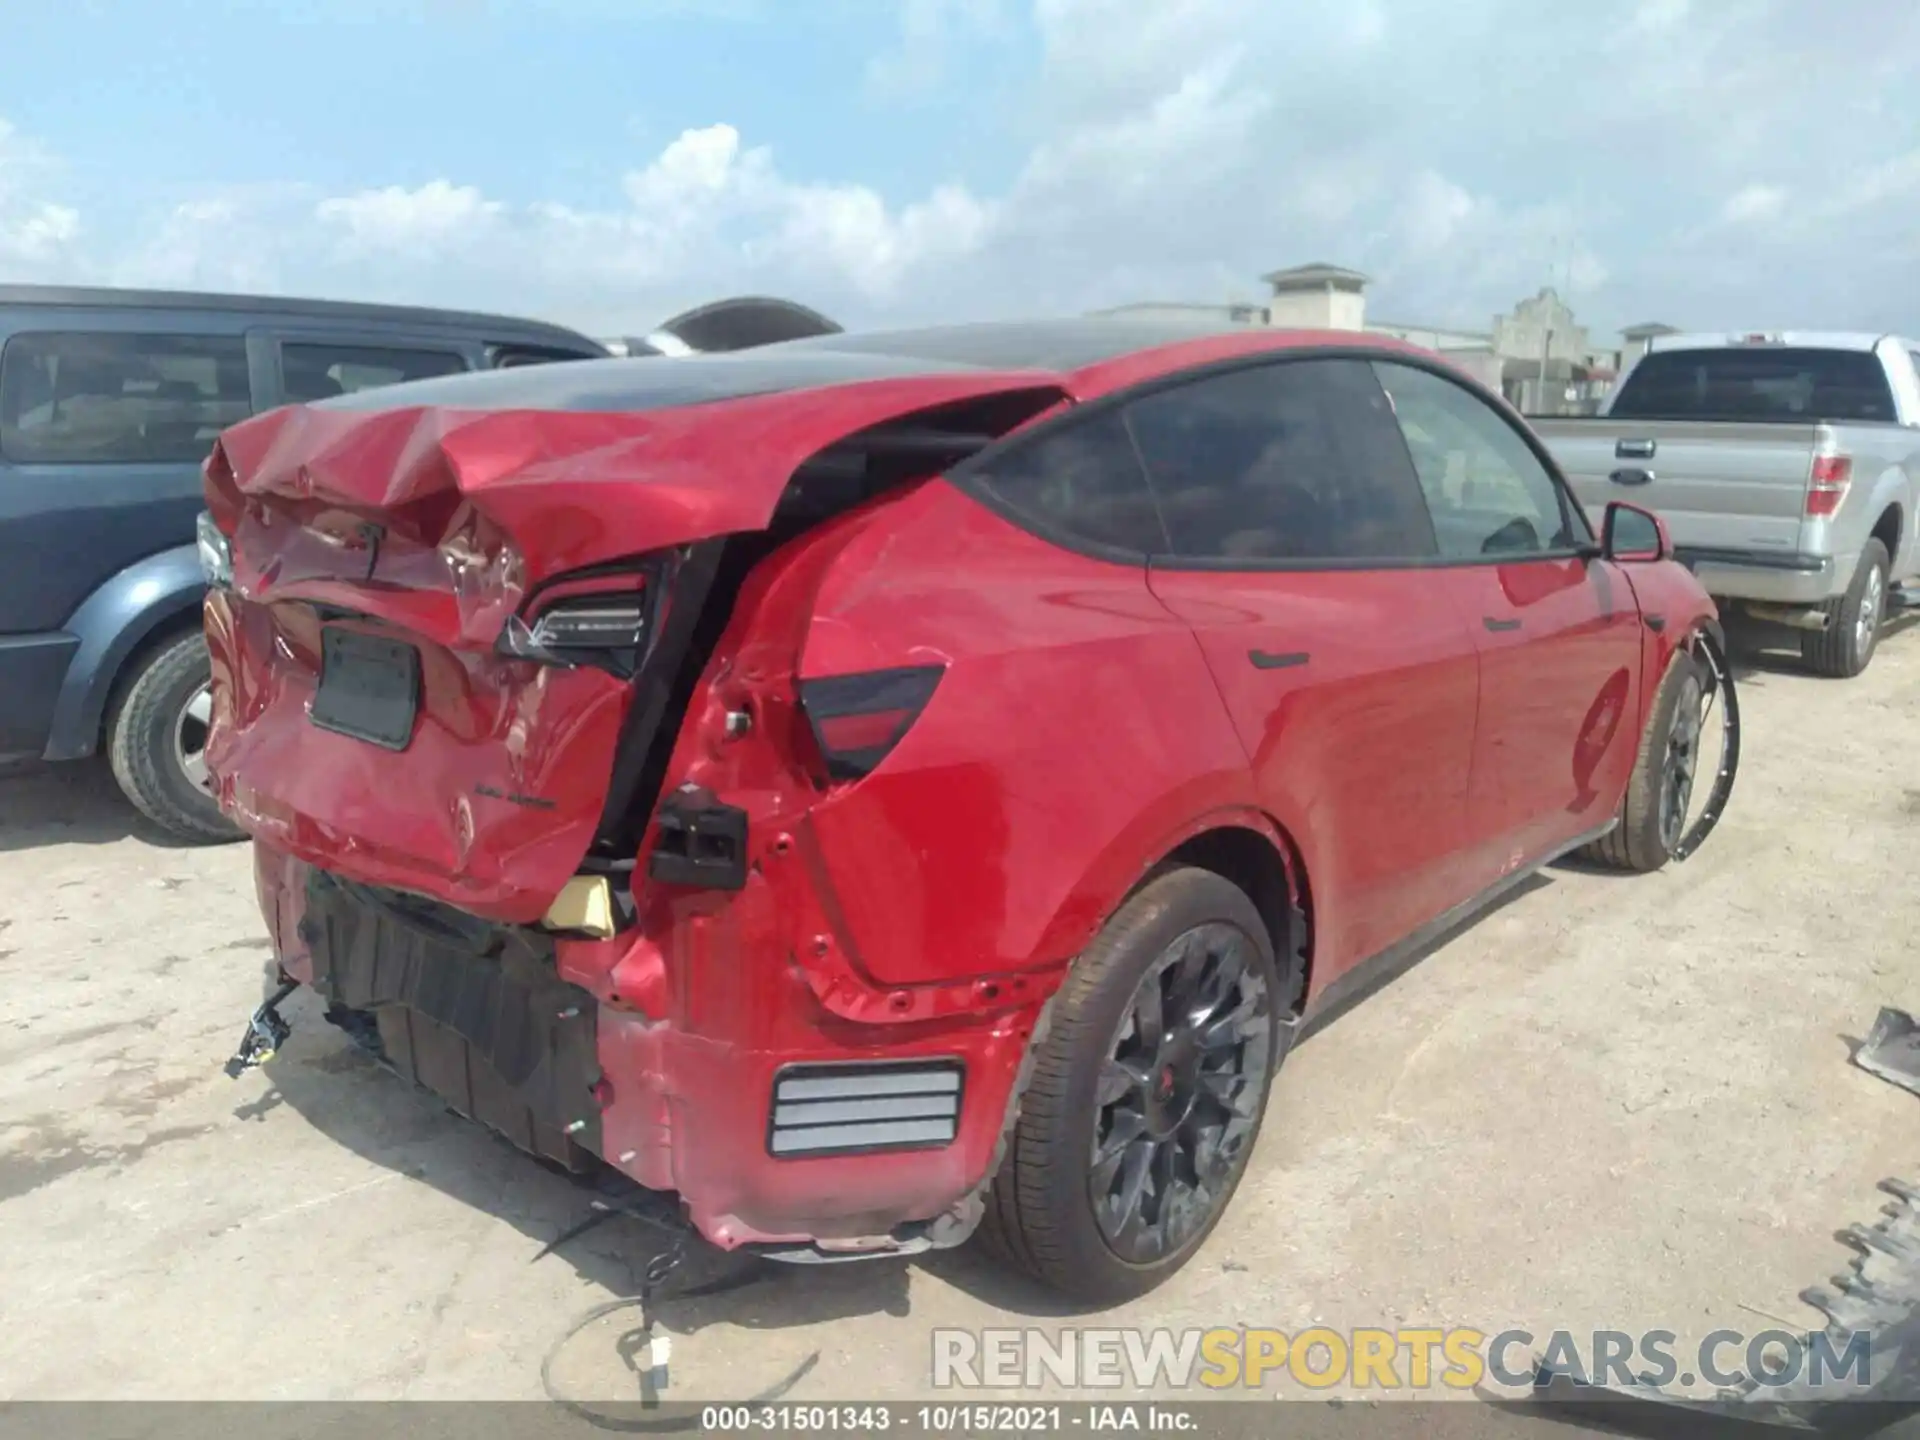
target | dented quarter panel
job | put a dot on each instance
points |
(1019, 798)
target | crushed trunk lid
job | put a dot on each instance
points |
(393, 539)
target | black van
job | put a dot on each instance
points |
(109, 402)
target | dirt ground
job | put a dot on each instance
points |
(1619, 1103)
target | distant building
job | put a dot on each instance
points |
(1317, 297)
(1636, 338)
(1538, 355)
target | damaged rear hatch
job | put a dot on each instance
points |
(460, 612)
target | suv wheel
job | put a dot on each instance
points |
(1842, 650)
(1147, 1094)
(157, 742)
(1653, 816)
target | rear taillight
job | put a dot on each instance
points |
(1827, 484)
(858, 719)
(602, 628)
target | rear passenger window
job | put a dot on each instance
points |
(319, 372)
(1489, 494)
(99, 399)
(1081, 483)
(1756, 382)
(1294, 461)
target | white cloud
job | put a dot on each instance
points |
(1659, 16)
(36, 235)
(929, 31)
(1463, 155)
(1754, 203)
(417, 223)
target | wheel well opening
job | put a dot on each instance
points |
(1887, 531)
(1276, 882)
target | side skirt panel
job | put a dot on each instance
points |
(1389, 964)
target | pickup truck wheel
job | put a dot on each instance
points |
(1653, 816)
(1843, 649)
(1147, 1093)
(157, 740)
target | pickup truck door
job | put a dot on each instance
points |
(1558, 630)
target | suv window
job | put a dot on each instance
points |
(319, 372)
(1488, 491)
(1291, 461)
(95, 398)
(1082, 482)
(1755, 382)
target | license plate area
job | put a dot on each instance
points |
(369, 687)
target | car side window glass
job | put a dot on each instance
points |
(1081, 482)
(1293, 461)
(102, 398)
(1489, 493)
(319, 372)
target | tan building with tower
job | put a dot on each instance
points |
(1538, 354)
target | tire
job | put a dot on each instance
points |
(1846, 646)
(147, 733)
(1641, 843)
(1041, 1210)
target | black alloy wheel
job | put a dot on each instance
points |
(1682, 757)
(1179, 1098)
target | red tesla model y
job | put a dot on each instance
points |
(875, 786)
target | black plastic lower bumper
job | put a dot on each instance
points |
(471, 1011)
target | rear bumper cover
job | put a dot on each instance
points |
(1779, 577)
(508, 1028)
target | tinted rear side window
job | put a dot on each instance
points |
(1081, 483)
(1756, 383)
(97, 399)
(320, 372)
(1298, 461)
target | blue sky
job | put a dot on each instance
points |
(1748, 162)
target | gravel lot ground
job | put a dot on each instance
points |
(1611, 1103)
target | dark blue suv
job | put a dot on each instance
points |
(109, 402)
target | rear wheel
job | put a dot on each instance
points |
(157, 742)
(1653, 816)
(1147, 1094)
(1845, 647)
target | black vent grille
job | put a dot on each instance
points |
(862, 1108)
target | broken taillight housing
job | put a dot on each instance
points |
(858, 719)
(599, 621)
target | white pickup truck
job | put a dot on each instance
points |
(1786, 467)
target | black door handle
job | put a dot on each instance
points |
(1493, 624)
(1268, 660)
(1631, 477)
